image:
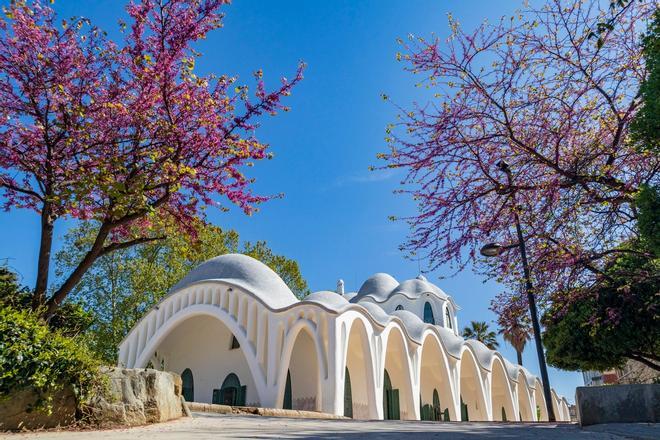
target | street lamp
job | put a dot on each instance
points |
(495, 249)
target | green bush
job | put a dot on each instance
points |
(34, 356)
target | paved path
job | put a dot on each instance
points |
(208, 426)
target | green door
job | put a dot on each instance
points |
(288, 401)
(231, 392)
(464, 411)
(348, 396)
(436, 405)
(446, 415)
(390, 400)
(504, 415)
(394, 405)
(188, 385)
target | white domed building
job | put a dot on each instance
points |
(238, 335)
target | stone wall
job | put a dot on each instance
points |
(618, 404)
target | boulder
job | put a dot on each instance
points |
(136, 397)
(18, 411)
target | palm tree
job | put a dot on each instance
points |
(479, 330)
(517, 334)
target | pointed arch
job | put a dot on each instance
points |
(541, 408)
(303, 361)
(527, 412)
(358, 361)
(434, 375)
(471, 387)
(501, 395)
(397, 364)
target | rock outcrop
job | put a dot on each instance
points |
(136, 397)
(18, 411)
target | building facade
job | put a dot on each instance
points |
(238, 335)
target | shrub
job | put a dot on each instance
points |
(34, 356)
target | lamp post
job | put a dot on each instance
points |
(495, 249)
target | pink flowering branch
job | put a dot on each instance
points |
(125, 134)
(536, 92)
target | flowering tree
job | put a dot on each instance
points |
(125, 134)
(535, 92)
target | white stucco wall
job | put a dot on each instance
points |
(202, 344)
(317, 339)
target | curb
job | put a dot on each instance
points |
(265, 412)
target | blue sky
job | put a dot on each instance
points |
(333, 218)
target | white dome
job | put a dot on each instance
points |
(349, 296)
(412, 323)
(417, 287)
(452, 343)
(376, 312)
(377, 286)
(245, 272)
(483, 354)
(332, 300)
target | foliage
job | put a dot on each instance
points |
(601, 328)
(535, 92)
(645, 128)
(648, 219)
(34, 356)
(618, 318)
(70, 319)
(479, 330)
(124, 133)
(120, 287)
(517, 332)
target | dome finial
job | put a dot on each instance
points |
(340, 286)
(421, 277)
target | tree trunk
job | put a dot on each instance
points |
(77, 274)
(519, 354)
(645, 361)
(43, 264)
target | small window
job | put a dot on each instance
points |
(448, 318)
(399, 307)
(428, 314)
(234, 343)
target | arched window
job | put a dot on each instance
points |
(399, 307)
(428, 313)
(188, 385)
(448, 322)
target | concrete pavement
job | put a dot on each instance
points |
(213, 426)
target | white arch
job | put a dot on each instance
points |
(290, 341)
(500, 379)
(525, 406)
(446, 387)
(408, 403)
(357, 328)
(540, 401)
(204, 310)
(480, 403)
(559, 416)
